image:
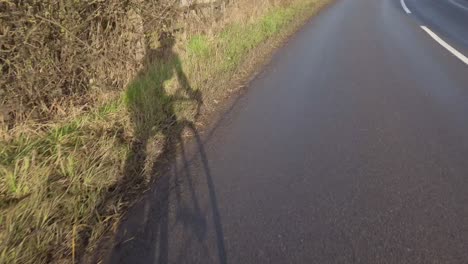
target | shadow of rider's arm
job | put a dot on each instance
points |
(185, 84)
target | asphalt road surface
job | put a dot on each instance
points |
(350, 147)
(448, 18)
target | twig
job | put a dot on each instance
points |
(64, 28)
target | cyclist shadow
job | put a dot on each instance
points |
(153, 109)
(144, 236)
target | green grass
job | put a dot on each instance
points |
(237, 40)
(199, 46)
(62, 186)
(53, 182)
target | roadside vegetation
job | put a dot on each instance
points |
(74, 157)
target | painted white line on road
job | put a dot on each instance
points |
(454, 2)
(403, 4)
(446, 45)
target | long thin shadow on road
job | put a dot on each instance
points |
(213, 200)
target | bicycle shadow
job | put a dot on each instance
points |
(173, 199)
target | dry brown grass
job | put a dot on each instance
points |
(58, 55)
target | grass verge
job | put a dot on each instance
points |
(63, 185)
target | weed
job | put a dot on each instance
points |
(199, 46)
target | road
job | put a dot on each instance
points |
(350, 147)
(449, 18)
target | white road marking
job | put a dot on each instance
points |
(403, 4)
(446, 45)
(454, 2)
